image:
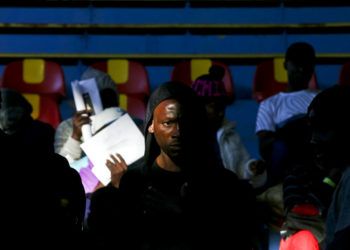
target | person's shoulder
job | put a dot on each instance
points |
(311, 91)
(65, 123)
(134, 174)
(60, 165)
(42, 126)
(271, 100)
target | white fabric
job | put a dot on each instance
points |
(64, 144)
(282, 106)
(235, 156)
(255, 180)
(71, 150)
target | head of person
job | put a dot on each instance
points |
(174, 121)
(328, 116)
(15, 112)
(211, 91)
(107, 87)
(300, 59)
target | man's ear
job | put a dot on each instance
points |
(151, 128)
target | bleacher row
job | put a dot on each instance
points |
(42, 82)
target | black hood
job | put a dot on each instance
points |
(193, 110)
(15, 111)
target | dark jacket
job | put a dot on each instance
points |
(43, 199)
(201, 206)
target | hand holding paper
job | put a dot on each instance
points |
(117, 166)
(86, 97)
(122, 137)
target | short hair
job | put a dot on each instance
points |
(301, 52)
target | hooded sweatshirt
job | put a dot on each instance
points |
(157, 209)
(193, 122)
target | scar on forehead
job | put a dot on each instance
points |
(171, 106)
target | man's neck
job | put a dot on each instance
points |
(166, 163)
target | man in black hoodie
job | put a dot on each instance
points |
(179, 198)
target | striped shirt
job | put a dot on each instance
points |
(278, 108)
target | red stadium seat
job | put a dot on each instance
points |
(41, 82)
(132, 83)
(271, 78)
(344, 77)
(302, 240)
(189, 71)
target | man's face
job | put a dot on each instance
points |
(166, 128)
(299, 73)
(215, 114)
(12, 118)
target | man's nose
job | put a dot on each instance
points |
(176, 131)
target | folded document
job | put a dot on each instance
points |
(121, 136)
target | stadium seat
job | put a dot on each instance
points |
(271, 78)
(344, 77)
(132, 83)
(41, 82)
(188, 71)
(302, 240)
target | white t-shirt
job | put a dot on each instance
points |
(282, 106)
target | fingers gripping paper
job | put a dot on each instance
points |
(123, 137)
(87, 97)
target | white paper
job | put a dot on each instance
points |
(123, 137)
(86, 96)
(105, 117)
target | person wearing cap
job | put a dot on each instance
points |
(178, 198)
(280, 122)
(231, 152)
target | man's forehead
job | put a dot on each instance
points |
(168, 103)
(172, 108)
(167, 106)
